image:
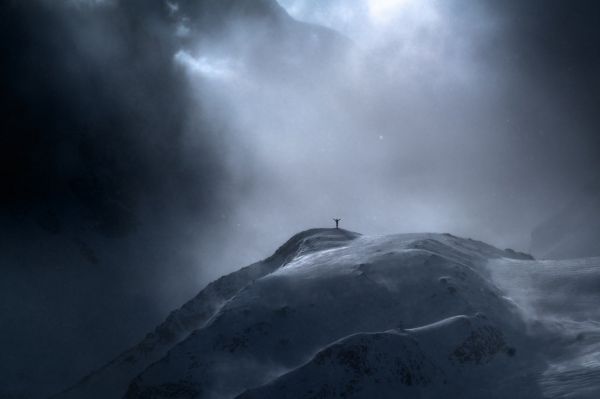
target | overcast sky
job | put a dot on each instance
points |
(149, 146)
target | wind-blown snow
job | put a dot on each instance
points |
(336, 314)
(561, 296)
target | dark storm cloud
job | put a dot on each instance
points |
(93, 113)
(102, 195)
(551, 49)
(569, 49)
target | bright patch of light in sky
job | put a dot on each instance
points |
(209, 67)
(384, 11)
(173, 7)
(370, 22)
(182, 30)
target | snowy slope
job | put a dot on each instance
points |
(560, 297)
(372, 284)
(457, 357)
(335, 314)
(112, 380)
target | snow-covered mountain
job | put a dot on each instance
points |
(111, 381)
(336, 314)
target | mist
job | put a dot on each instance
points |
(426, 120)
(149, 147)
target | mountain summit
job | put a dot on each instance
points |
(335, 314)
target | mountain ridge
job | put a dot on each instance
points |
(198, 310)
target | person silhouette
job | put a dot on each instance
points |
(337, 221)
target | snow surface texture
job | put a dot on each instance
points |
(333, 314)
